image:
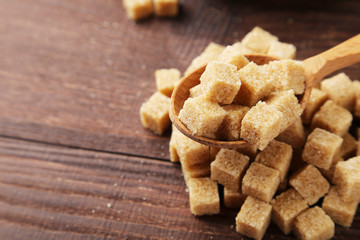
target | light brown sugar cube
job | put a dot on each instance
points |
(233, 55)
(261, 124)
(166, 79)
(211, 52)
(154, 113)
(276, 155)
(260, 182)
(321, 148)
(229, 168)
(329, 174)
(204, 196)
(339, 88)
(166, 8)
(349, 146)
(231, 125)
(195, 91)
(282, 50)
(201, 116)
(138, 9)
(347, 179)
(286, 207)
(259, 40)
(253, 218)
(233, 199)
(196, 170)
(332, 118)
(314, 224)
(249, 150)
(199, 173)
(340, 212)
(287, 74)
(174, 156)
(242, 48)
(255, 85)
(316, 100)
(294, 135)
(220, 82)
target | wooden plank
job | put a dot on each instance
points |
(75, 72)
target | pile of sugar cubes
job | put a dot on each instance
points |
(140, 9)
(305, 180)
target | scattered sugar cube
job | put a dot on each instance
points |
(233, 199)
(166, 79)
(321, 148)
(195, 91)
(332, 118)
(286, 207)
(234, 56)
(314, 224)
(201, 116)
(260, 182)
(349, 146)
(154, 113)
(259, 40)
(282, 50)
(341, 212)
(138, 9)
(220, 82)
(253, 218)
(316, 100)
(204, 196)
(329, 174)
(294, 135)
(310, 184)
(276, 155)
(229, 168)
(166, 8)
(231, 125)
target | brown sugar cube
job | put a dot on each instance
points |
(340, 212)
(174, 156)
(253, 218)
(248, 150)
(201, 116)
(195, 91)
(198, 173)
(282, 50)
(260, 182)
(259, 40)
(316, 100)
(233, 199)
(242, 48)
(211, 52)
(276, 155)
(339, 88)
(310, 184)
(347, 179)
(233, 55)
(154, 113)
(138, 9)
(255, 85)
(261, 124)
(166, 8)
(229, 168)
(286, 207)
(321, 147)
(332, 118)
(313, 224)
(166, 79)
(195, 170)
(204, 196)
(329, 174)
(349, 146)
(231, 125)
(294, 135)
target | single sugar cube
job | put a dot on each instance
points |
(233, 199)
(231, 125)
(201, 116)
(204, 196)
(253, 218)
(138, 9)
(294, 135)
(195, 91)
(310, 184)
(286, 207)
(166, 8)
(154, 113)
(347, 179)
(220, 82)
(329, 173)
(349, 146)
(260, 182)
(233, 55)
(255, 85)
(282, 50)
(229, 168)
(316, 100)
(340, 89)
(314, 224)
(321, 148)
(166, 79)
(261, 124)
(332, 118)
(259, 40)
(276, 155)
(341, 212)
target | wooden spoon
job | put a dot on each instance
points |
(317, 67)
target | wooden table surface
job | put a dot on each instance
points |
(75, 162)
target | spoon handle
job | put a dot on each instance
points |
(338, 57)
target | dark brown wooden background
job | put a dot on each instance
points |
(75, 162)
